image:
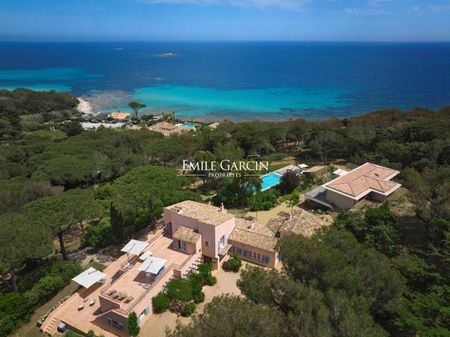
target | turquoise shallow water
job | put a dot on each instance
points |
(42, 79)
(196, 101)
(47, 74)
(237, 80)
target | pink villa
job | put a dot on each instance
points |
(193, 232)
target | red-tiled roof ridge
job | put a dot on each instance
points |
(363, 179)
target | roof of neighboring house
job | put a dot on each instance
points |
(119, 115)
(214, 125)
(253, 239)
(186, 234)
(315, 169)
(340, 172)
(168, 129)
(204, 213)
(300, 222)
(163, 126)
(363, 180)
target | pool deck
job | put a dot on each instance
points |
(280, 173)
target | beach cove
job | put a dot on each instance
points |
(232, 80)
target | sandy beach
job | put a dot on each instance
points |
(85, 106)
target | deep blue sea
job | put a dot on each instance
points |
(236, 80)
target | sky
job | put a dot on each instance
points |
(197, 20)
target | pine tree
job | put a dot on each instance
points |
(117, 225)
(133, 325)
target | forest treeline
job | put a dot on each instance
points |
(113, 183)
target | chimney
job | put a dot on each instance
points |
(222, 208)
(252, 225)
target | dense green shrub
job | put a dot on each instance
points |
(199, 297)
(99, 235)
(263, 201)
(197, 284)
(204, 270)
(211, 280)
(234, 263)
(179, 289)
(16, 308)
(70, 333)
(160, 302)
(289, 182)
(188, 309)
(133, 324)
(14, 311)
(44, 289)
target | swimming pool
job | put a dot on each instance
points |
(189, 125)
(270, 180)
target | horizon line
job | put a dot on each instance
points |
(219, 40)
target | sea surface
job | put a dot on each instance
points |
(236, 80)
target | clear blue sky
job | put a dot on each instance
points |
(348, 20)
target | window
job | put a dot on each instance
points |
(259, 256)
(239, 251)
(265, 259)
(254, 255)
(206, 244)
(117, 325)
(109, 320)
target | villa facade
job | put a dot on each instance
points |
(193, 232)
(216, 233)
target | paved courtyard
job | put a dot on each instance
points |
(226, 284)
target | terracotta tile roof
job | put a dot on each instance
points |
(186, 234)
(364, 179)
(252, 226)
(204, 213)
(300, 222)
(119, 115)
(315, 169)
(253, 239)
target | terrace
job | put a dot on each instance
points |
(124, 286)
(134, 283)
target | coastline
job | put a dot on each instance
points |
(85, 106)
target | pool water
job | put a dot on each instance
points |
(192, 126)
(270, 180)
